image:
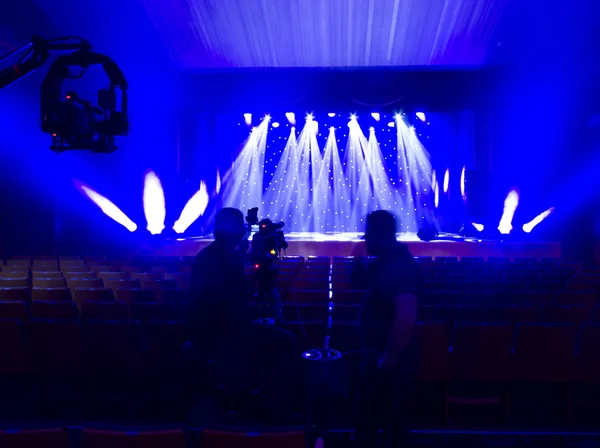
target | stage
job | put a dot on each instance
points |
(350, 244)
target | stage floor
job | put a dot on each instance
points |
(350, 244)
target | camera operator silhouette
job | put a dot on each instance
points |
(247, 355)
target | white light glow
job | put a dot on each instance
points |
(479, 227)
(275, 124)
(154, 203)
(446, 181)
(436, 191)
(510, 205)
(331, 114)
(291, 117)
(376, 116)
(391, 124)
(107, 207)
(194, 208)
(527, 228)
(315, 126)
(462, 183)
(218, 184)
(248, 119)
(421, 116)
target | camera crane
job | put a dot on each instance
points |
(73, 123)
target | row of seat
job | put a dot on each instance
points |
(485, 352)
(450, 313)
(175, 438)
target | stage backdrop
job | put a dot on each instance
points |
(323, 170)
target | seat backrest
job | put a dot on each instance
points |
(113, 347)
(544, 352)
(109, 310)
(51, 294)
(56, 346)
(481, 352)
(12, 347)
(93, 438)
(221, 439)
(38, 438)
(432, 340)
(588, 353)
(14, 309)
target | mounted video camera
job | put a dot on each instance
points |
(268, 241)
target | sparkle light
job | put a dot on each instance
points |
(331, 114)
(154, 203)
(291, 117)
(527, 228)
(248, 119)
(421, 116)
(107, 207)
(376, 116)
(275, 124)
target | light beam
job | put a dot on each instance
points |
(154, 203)
(527, 228)
(510, 205)
(194, 208)
(107, 207)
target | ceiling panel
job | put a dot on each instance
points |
(326, 33)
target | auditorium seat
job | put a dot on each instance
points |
(132, 295)
(479, 368)
(432, 340)
(74, 269)
(64, 262)
(93, 295)
(345, 313)
(563, 313)
(113, 275)
(56, 347)
(51, 294)
(183, 279)
(46, 274)
(38, 438)
(131, 269)
(11, 272)
(221, 439)
(544, 352)
(14, 309)
(481, 352)
(583, 297)
(296, 312)
(109, 310)
(348, 297)
(100, 269)
(57, 282)
(311, 296)
(117, 284)
(42, 309)
(163, 343)
(15, 282)
(93, 438)
(525, 313)
(13, 349)
(176, 296)
(114, 348)
(588, 353)
(15, 293)
(153, 311)
(85, 283)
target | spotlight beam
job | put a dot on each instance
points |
(154, 203)
(194, 208)
(107, 207)
(527, 228)
(510, 206)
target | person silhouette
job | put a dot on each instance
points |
(388, 317)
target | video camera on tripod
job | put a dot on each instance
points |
(267, 243)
